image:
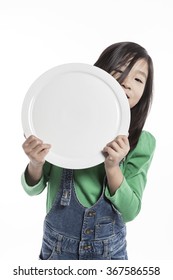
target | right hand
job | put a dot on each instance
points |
(36, 150)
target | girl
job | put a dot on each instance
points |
(87, 210)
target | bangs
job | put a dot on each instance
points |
(128, 61)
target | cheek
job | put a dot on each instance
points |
(139, 93)
(135, 100)
(132, 104)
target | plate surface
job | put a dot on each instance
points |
(77, 108)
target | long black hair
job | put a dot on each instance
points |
(127, 53)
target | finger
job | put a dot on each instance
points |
(29, 140)
(35, 143)
(123, 138)
(41, 147)
(120, 142)
(29, 147)
(115, 146)
(43, 153)
(111, 153)
(39, 154)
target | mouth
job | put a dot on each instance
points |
(128, 97)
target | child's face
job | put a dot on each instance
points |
(134, 83)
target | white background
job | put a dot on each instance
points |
(36, 35)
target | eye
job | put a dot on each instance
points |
(139, 80)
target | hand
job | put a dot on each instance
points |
(36, 150)
(116, 150)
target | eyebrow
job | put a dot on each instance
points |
(142, 73)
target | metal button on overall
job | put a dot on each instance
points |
(88, 231)
(91, 213)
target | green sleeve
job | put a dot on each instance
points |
(40, 186)
(127, 198)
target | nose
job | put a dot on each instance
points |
(125, 84)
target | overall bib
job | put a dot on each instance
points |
(74, 232)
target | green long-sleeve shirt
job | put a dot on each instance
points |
(89, 182)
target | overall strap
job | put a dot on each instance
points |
(66, 184)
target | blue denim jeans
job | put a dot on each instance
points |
(74, 232)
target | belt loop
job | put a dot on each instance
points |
(66, 196)
(105, 248)
(67, 179)
(59, 242)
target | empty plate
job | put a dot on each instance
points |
(78, 109)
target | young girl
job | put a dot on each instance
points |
(87, 209)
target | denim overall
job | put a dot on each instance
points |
(74, 232)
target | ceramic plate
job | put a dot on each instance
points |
(77, 108)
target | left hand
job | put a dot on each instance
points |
(116, 150)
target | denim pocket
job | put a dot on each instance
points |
(47, 250)
(48, 243)
(104, 228)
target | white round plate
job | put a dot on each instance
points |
(78, 109)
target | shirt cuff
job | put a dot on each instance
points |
(32, 190)
(118, 196)
(124, 200)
